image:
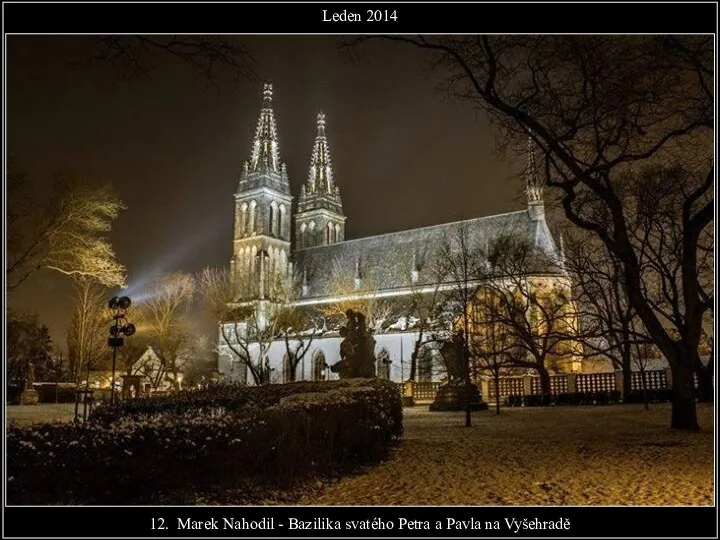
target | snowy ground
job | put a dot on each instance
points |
(613, 455)
(42, 412)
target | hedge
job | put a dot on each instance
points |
(567, 398)
(56, 392)
(337, 426)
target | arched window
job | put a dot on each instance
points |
(311, 234)
(320, 371)
(271, 218)
(383, 364)
(288, 371)
(328, 233)
(242, 221)
(281, 221)
(253, 221)
(337, 233)
(301, 239)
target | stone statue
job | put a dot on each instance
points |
(357, 350)
(452, 353)
(29, 396)
(459, 393)
(30, 376)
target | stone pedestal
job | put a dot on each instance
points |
(455, 397)
(29, 397)
(408, 399)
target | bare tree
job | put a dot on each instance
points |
(608, 323)
(356, 290)
(598, 107)
(86, 337)
(246, 329)
(299, 329)
(163, 316)
(458, 266)
(526, 295)
(491, 340)
(422, 309)
(63, 232)
(212, 57)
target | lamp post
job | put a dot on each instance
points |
(120, 328)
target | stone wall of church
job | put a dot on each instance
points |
(393, 352)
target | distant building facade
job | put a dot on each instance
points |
(332, 271)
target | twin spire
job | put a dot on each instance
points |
(265, 154)
(320, 177)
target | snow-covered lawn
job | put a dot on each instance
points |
(42, 412)
(612, 455)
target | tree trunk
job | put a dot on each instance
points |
(496, 377)
(684, 414)
(413, 364)
(626, 376)
(544, 380)
(643, 378)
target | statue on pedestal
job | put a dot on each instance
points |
(29, 396)
(459, 393)
(357, 350)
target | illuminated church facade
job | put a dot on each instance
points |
(280, 247)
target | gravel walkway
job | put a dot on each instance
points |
(614, 455)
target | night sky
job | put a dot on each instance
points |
(404, 155)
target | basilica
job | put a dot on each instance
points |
(297, 255)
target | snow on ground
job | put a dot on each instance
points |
(23, 415)
(613, 455)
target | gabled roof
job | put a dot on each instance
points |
(390, 258)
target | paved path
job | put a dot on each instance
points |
(612, 455)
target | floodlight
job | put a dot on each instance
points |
(113, 303)
(128, 329)
(124, 302)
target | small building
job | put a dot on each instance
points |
(154, 377)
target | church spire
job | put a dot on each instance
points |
(320, 177)
(534, 189)
(265, 154)
(319, 218)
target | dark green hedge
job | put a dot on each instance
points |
(308, 428)
(56, 392)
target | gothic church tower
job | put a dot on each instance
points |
(261, 240)
(319, 219)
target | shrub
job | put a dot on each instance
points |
(660, 395)
(339, 425)
(56, 392)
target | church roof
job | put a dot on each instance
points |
(388, 260)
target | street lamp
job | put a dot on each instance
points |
(121, 328)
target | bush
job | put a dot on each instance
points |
(13, 392)
(661, 395)
(50, 392)
(339, 425)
